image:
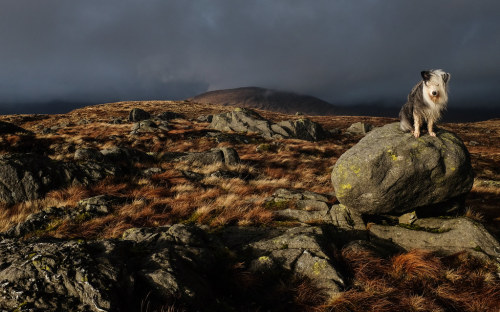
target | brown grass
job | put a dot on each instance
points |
(419, 281)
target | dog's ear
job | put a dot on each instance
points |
(446, 77)
(426, 75)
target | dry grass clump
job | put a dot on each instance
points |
(419, 281)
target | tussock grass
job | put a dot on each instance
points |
(419, 281)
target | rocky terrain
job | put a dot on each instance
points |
(185, 206)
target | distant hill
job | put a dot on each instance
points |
(266, 99)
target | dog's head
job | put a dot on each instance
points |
(436, 85)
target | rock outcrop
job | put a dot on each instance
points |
(389, 171)
(8, 128)
(29, 176)
(301, 250)
(156, 267)
(26, 177)
(245, 120)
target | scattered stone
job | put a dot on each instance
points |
(390, 171)
(164, 125)
(205, 118)
(267, 147)
(224, 155)
(473, 143)
(138, 114)
(116, 121)
(359, 128)
(144, 126)
(192, 176)
(100, 204)
(125, 155)
(335, 131)
(151, 171)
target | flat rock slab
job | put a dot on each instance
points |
(390, 171)
(444, 235)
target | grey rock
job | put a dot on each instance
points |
(230, 156)
(138, 114)
(151, 171)
(300, 250)
(170, 116)
(389, 171)
(304, 129)
(100, 204)
(445, 235)
(359, 128)
(224, 155)
(56, 275)
(125, 155)
(144, 126)
(43, 220)
(205, 118)
(348, 220)
(232, 138)
(28, 176)
(85, 154)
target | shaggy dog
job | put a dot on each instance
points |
(426, 102)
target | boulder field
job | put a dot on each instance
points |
(197, 268)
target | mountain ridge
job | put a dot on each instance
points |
(267, 99)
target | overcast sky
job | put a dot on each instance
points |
(343, 51)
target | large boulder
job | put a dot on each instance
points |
(224, 155)
(245, 120)
(390, 171)
(138, 114)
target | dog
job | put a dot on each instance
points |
(426, 102)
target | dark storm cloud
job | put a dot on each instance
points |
(342, 51)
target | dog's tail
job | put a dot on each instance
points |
(406, 118)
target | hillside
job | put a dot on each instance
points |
(266, 99)
(113, 208)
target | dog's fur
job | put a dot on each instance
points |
(426, 102)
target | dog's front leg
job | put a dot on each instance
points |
(416, 125)
(430, 127)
